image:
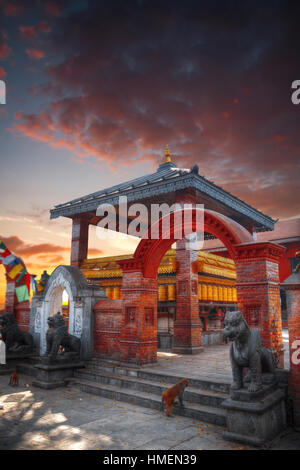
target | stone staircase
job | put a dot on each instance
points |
(202, 399)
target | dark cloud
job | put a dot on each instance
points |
(212, 80)
(31, 32)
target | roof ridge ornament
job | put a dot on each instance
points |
(168, 154)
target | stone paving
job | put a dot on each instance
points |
(212, 363)
(67, 418)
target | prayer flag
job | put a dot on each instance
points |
(27, 281)
(22, 293)
(9, 259)
(2, 247)
(21, 274)
(15, 270)
(5, 253)
(14, 262)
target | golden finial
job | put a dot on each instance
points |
(167, 154)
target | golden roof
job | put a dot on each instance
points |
(208, 263)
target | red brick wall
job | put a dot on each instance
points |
(259, 294)
(22, 315)
(108, 317)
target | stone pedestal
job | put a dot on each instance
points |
(255, 418)
(51, 373)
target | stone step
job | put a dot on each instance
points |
(195, 411)
(191, 394)
(213, 383)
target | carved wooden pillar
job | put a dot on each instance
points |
(187, 326)
(258, 291)
(138, 339)
(80, 238)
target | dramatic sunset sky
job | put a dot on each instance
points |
(96, 89)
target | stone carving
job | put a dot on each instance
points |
(16, 340)
(246, 351)
(57, 336)
(37, 321)
(78, 321)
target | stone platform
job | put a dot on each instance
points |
(255, 418)
(50, 373)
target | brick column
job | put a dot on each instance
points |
(258, 291)
(138, 339)
(292, 287)
(187, 326)
(80, 238)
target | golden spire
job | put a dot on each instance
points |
(167, 154)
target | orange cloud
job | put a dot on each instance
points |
(5, 51)
(35, 53)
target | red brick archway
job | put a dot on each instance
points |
(257, 289)
(149, 252)
(138, 338)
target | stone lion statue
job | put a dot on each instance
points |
(246, 351)
(57, 336)
(16, 340)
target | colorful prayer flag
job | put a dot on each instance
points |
(14, 262)
(22, 293)
(21, 274)
(5, 253)
(27, 281)
(8, 259)
(2, 247)
(15, 270)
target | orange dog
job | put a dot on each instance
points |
(169, 395)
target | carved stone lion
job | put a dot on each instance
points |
(57, 336)
(246, 351)
(16, 340)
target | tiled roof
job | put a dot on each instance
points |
(166, 179)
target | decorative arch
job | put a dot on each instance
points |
(149, 252)
(82, 298)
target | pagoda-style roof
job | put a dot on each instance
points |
(161, 187)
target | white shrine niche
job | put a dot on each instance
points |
(82, 299)
(53, 303)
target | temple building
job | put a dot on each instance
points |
(165, 295)
(216, 291)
